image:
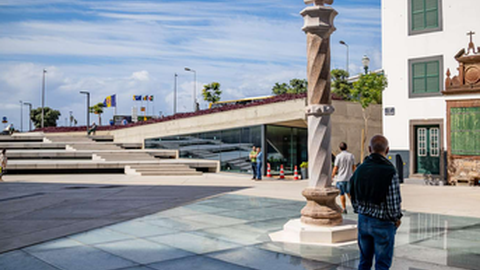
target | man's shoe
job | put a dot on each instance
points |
(345, 211)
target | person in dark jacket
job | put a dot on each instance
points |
(375, 192)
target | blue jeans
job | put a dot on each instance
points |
(343, 186)
(375, 238)
(259, 170)
(254, 169)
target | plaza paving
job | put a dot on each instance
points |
(230, 231)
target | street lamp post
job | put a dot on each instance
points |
(43, 98)
(366, 63)
(175, 96)
(29, 115)
(21, 116)
(348, 55)
(88, 106)
(194, 88)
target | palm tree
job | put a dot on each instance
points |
(98, 109)
(211, 92)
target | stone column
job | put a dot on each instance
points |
(321, 208)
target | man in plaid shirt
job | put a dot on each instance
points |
(375, 191)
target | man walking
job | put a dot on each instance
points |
(375, 191)
(345, 166)
(253, 160)
(259, 163)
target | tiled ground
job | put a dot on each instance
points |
(231, 232)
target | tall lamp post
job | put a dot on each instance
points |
(29, 115)
(43, 98)
(21, 116)
(366, 63)
(348, 55)
(175, 96)
(194, 87)
(88, 106)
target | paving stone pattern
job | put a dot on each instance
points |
(231, 232)
(32, 213)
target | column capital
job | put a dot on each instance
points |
(319, 20)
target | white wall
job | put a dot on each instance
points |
(459, 17)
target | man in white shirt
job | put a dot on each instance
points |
(344, 166)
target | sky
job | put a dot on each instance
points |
(129, 47)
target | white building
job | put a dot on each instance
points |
(420, 41)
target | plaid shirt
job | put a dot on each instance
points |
(390, 210)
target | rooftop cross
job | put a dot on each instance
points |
(471, 36)
(471, 46)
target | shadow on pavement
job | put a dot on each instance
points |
(31, 213)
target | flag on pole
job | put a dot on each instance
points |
(137, 98)
(145, 98)
(150, 98)
(110, 101)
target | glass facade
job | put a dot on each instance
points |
(285, 145)
(232, 147)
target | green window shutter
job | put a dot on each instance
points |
(418, 14)
(465, 131)
(426, 77)
(425, 14)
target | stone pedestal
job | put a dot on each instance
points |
(297, 232)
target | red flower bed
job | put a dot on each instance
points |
(276, 99)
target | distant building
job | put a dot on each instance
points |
(276, 124)
(420, 41)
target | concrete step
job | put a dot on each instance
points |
(93, 146)
(67, 139)
(186, 169)
(171, 173)
(160, 166)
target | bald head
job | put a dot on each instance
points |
(379, 145)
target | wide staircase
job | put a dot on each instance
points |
(160, 170)
(82, 154)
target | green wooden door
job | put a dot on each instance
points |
(428, 149)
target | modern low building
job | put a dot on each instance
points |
(277, 125)
(421, 42)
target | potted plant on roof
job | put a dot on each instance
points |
(304, 170)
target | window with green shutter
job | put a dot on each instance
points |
(425, 16)
(465, 131)
(425, 76)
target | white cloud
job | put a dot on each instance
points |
(134, 48)
(141, 75)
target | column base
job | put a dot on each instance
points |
(321, 208)
(297, 232)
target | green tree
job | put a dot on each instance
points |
(211, 92)
(98, 109)
(366, 91)
(50, 117)
(340, 84)
(296, 86)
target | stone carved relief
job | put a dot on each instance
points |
(468, 79)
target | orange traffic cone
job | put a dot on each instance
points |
(269, 173)
(295, 175)
(282, 173)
